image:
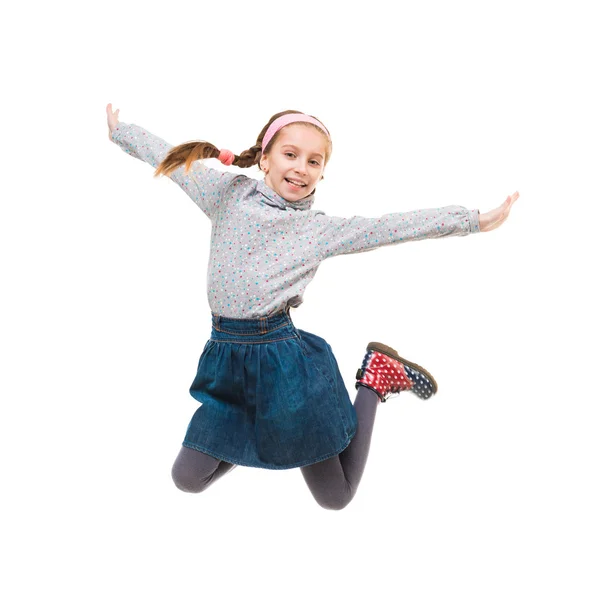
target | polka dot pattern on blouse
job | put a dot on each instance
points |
(264, 249)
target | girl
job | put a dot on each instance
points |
(271, 395)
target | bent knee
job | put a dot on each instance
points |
(186, 481)
(334, 502)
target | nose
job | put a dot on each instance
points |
(300, 167)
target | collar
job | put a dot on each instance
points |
(274, 199)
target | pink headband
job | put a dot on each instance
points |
(277, 124)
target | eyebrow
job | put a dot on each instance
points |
(296, 148)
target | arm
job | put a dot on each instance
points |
(338, 235)
(202, 184)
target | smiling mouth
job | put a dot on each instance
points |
(295, 183)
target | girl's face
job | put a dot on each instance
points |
(295, 162)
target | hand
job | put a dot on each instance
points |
(494, 218)
(113, 119)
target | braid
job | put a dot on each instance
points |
(249, 157)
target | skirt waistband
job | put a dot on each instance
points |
(258, 326)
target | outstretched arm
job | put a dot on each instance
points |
(202, 184)
(337, 235)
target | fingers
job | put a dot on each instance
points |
(510, 201)
(505, 207)
(109, 110)
(511, 198)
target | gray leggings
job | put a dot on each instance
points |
(332, 482)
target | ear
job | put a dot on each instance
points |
(264, 163)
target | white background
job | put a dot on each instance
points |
(489, 489)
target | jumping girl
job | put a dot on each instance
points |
(271, 395)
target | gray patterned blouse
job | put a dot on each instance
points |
(266, 250)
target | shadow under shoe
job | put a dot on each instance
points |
(386, 373)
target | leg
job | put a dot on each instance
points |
(194, 471)
(333, 482)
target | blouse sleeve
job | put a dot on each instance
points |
(202, 184)
(337, 235)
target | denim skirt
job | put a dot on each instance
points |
(272, 395)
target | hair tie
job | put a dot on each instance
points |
(226, 157)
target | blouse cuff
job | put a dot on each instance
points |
(117, 129)
(474, 221)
